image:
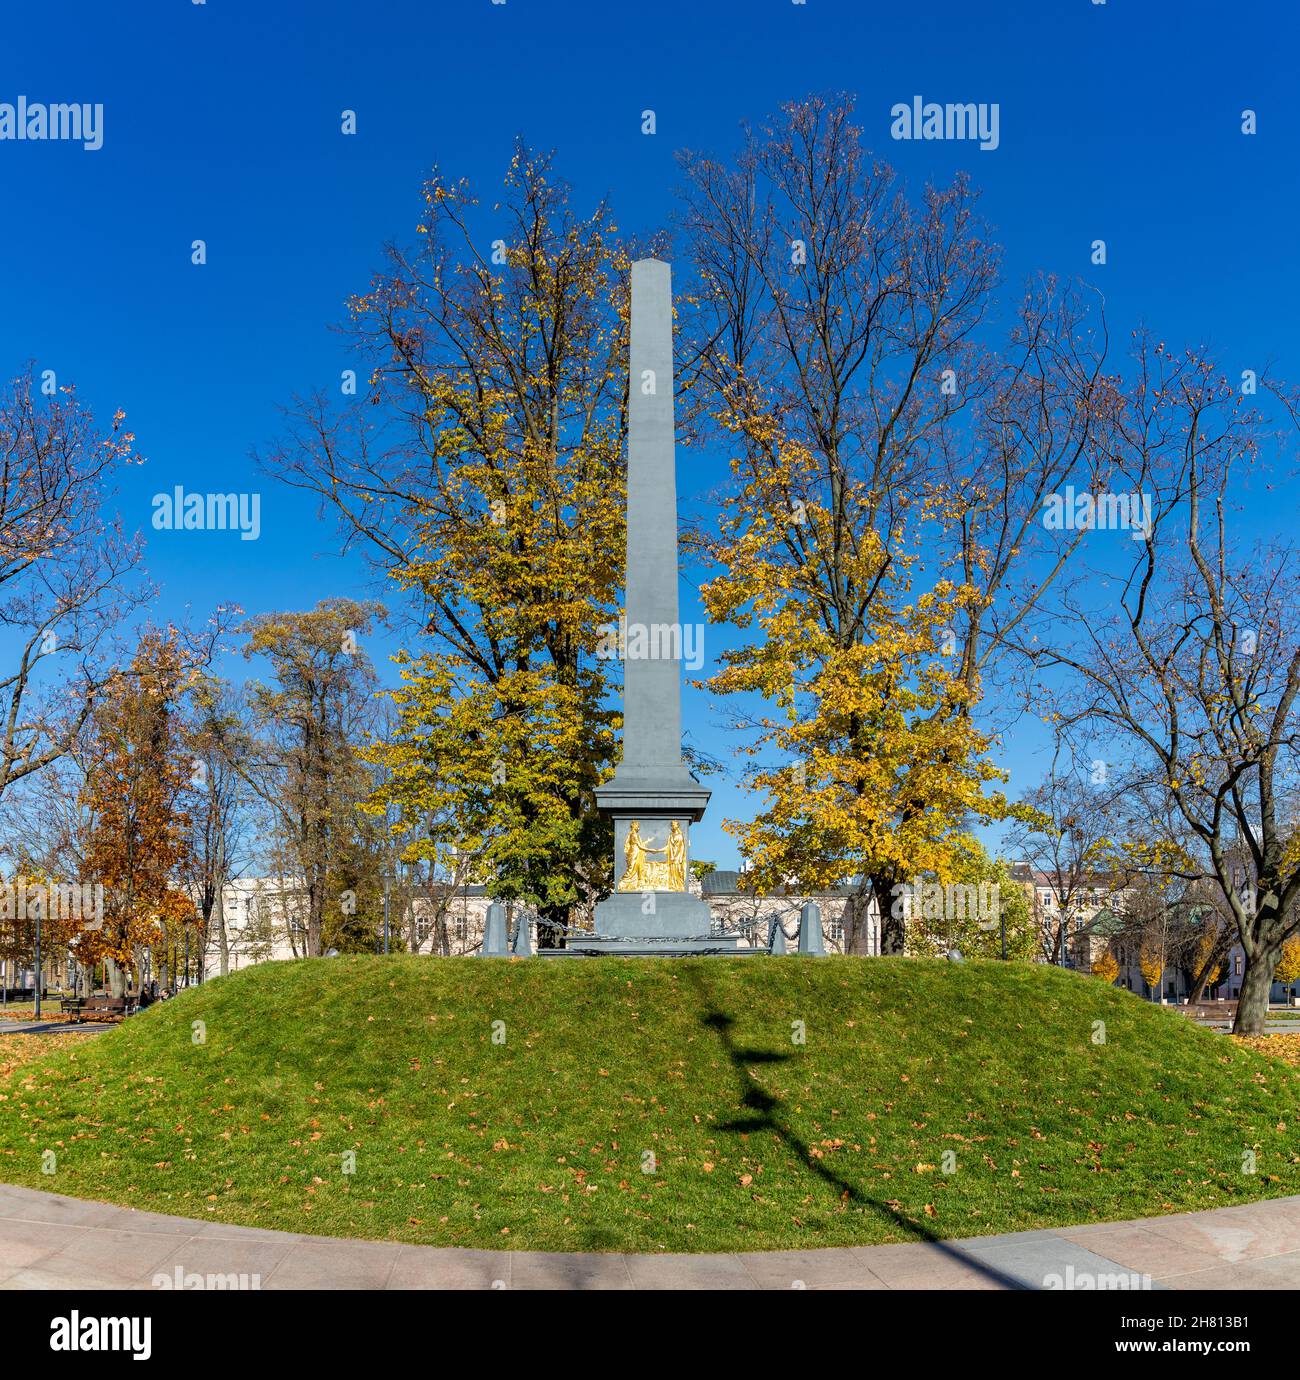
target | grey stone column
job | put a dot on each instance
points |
(652, 786)
(652, 686)
(651, 775)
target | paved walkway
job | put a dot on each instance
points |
(43, 1027)
(51, 1242)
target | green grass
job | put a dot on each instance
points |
(757, 1141)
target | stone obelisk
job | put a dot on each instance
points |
(653, 796)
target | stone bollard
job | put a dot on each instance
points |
(524, 939)
(810, 931)
(776, 937)
(495, 940)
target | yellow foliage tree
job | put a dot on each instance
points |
(1106, 967)
(1288, 966)
(1203, 953)
(891, 471)
(507, 380)
(883, 765)
(1151, 960)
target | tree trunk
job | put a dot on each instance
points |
(857, 925)
(219, 914)
(1218, 956)
(315, 905)
(1256, 982)
(116, 978)
(893, 927)
(551, 925)
(1197, 990)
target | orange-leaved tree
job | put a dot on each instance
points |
(137, 773)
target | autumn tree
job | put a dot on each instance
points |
(1206, 961)
(1189, 665)
(1157, 877)
(1213, 934)
(1067, 840)
(309, 724)
(875, 779)
(1177, 923)
(44, 834)
(838, 355)
(66, 570)
(135, 797)
(1106, 967)
(1288, 965)
(1152, 959)
(219, 744)
(981, 912)
(482, 472)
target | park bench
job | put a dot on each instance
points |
(106, 1008)
(73, 1005)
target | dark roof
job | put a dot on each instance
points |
(723, 883)
(719, 883)
(1106, 924)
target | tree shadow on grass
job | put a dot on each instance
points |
(767, 1116)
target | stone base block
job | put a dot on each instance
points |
(640, 948)
(629, 915)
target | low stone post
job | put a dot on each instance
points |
(495, 939)
(524, 939)
(810, 931)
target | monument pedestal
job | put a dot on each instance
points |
(651, 924)
(641, 948)
(653, 915)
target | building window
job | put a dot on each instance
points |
(835, 928)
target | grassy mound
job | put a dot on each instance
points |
(654, 1104)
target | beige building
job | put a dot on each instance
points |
(1086, 910)
(264, 919)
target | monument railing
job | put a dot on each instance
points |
(757, 929)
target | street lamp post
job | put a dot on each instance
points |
(389, 821)
(38, 963)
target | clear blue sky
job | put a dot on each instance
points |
(1119, 121)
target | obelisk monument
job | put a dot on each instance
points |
(653, 796)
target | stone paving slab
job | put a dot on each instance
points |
(44, 1027)
(1141, 1249)
(48, 1241)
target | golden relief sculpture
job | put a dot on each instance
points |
(641, 873)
